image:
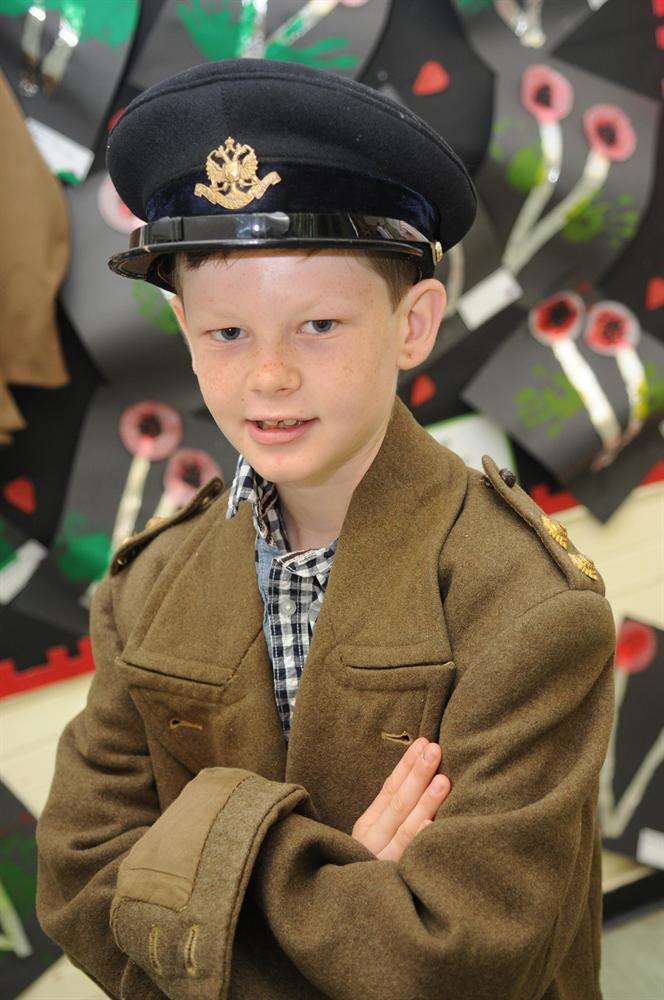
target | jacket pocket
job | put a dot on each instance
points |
(187, 718)
(375, 713)
(404, 702)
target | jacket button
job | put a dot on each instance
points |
(507, 477)
(289, 607)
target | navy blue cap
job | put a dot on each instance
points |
(246, 153)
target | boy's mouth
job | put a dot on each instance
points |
(287, 422)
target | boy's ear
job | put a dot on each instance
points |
(178, 308)
(424, 309)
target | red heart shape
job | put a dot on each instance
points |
(21, 494)
(655, 293)
(422, 390)
(432, 78)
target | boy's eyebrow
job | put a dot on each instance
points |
(331, 296)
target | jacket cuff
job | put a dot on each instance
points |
(137, 985)
(180, 888)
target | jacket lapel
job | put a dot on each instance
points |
(379, 668)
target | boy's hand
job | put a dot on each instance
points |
(405, 804)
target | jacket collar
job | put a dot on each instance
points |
(199, 634)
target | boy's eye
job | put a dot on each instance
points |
(320, 322)
(317, 323)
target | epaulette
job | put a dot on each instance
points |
(134, 544)
(579, 569)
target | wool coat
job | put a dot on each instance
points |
(186, 850)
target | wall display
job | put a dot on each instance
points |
(474, 282)
(11, 419)
(26, 950)
(338, 35)
(575, 384)
(48, 653)
(550, 356)
(627, 550)
(504, 29)
(19, 557)
(138, 457)
(424, 61)
(128, 327)
(473, 435)
(632, 779)
(569, 173)
(36, 241)
(51, 50)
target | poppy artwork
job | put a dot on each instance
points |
(150, 431)
(137, 458)
(548, 96)
(128, 328)
(580, 385)
(632, 778)
(570, 164)
(613, 330)
(51, 50)
(187, 470)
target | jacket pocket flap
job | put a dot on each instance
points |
(435, 649)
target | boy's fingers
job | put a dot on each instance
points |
(405, 799)
(400, 841)
(391, 785)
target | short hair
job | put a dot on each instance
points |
(398, 271)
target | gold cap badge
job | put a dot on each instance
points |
(231, 170)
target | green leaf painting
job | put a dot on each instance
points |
(109, 22)
(591, 217)
(153, 306)
(81, 556)
(652, 401)
(553, 402)
(217, 35)
(471, 7)
(526, 168)
(314, 55)
(17, 882)
(7, 551)
(213, 32)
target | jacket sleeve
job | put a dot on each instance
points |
(482, 904)
(102, 799)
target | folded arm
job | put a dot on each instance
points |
(482, 903)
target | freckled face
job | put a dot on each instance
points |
(275, 332)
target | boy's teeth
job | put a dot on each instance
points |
(278, 423)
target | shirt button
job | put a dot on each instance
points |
(289, 607)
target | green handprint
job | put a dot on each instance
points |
(555, 403)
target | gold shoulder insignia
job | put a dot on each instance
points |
(134, 544)
(580, 571)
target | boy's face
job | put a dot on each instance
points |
(274, 333)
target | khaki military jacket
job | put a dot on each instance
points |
(186, 850)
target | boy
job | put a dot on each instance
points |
(226, 819)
